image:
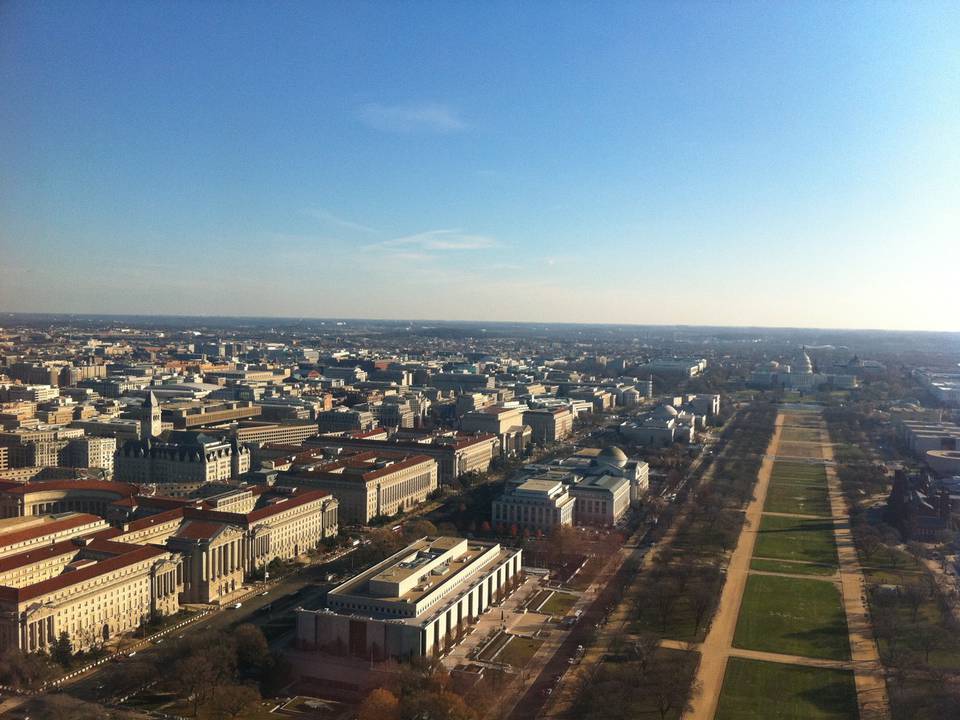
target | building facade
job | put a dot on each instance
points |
(370, 484)
(181, 461)
(549, 425)
(416, 603)
(537, 504)
(94, 590)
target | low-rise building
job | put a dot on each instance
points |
(371, 484)
(537, 504)
(198, 413)
(181, 461)
(549, 425)
(19, 534)
(600, 499)
(345, 420)
(504, 422)
(19, 499)
(682, 367)
(455, 453)
(89, 588)
(416, 603)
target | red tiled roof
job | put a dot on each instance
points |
(138, 554)
(467, 441)
(297, 500)
(122, 489)
(361, 434)
(199, 530)
(497, 410)
(151, 520)
(108, 546)
(67, 523)
(35, 555)
(278, 445)
(165, 501)
(300, 498)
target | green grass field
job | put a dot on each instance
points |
(797, 499)
(519, 651)
(794, 617)
(798, 473)
(754, 690)
(786, 538)
(799, 450)
(559, 604)
(792, 433)
(793, 568)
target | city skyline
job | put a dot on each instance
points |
(750, 165)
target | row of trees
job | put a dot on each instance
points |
(916, 632)
(423, 690)
(219, 673)
(640, 681)
(677, 596)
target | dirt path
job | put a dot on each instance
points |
(717, 646)
(865, 661)
(618, 622)
(767, 656)
(799, 576)
(867, 669)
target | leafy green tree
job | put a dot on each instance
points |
(62, 650)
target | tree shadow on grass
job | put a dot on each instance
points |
(837, 698)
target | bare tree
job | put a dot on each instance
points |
(702, 598)
(665, 595)
(230, 701)
(642, 649)
(671, 691)
(914, 594)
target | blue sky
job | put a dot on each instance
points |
(702, 163)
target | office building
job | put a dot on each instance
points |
(456, 454)
(549, 425)
(92, 589)
(540, 503)
(199, 413)
(371, 484)
(504, 422)
(180, 461)
(600, 499)
(345, 420)
(416, 603)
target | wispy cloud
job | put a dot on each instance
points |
(412, 117)
(441, 240)
(329, 217)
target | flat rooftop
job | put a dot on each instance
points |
(538, 486)
(414, 572)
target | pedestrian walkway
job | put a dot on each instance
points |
(718, 644)
(717, 647)
(868, 670)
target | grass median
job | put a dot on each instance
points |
(755, 690)
(787, 538)
(793, 616)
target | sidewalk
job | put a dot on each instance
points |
(867, 668)
(717, 646)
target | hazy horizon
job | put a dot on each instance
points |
(454, 321)
(736, 165)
